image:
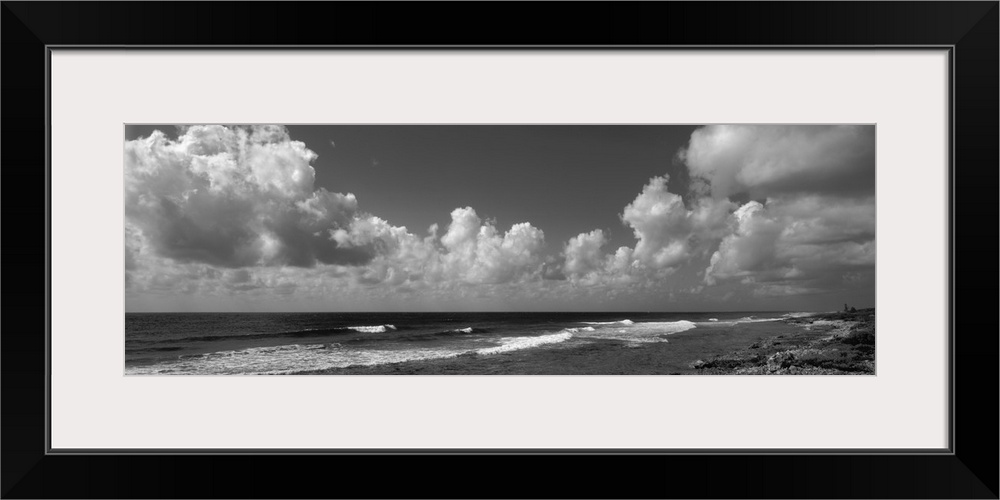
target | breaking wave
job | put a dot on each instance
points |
(622, 322)
(753, 319)
(441, 335)
(517, 343)
(304, 332)
(372, 329)
(294, 358)
(284, 359)
(635, 333)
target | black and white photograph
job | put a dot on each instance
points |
(632, 218)
(500, 249)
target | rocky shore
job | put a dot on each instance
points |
(846, 348)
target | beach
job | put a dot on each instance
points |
(797, 345)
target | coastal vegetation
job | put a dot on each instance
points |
(847, 349)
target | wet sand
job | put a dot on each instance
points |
(677, 356)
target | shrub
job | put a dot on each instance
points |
(864, 349)
(862, 337)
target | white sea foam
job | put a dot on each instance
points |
(664, 327)
(798, 315)
(715, 322)
(751, 319)
(297, 357)
(286, 359)
(622, 322)
(637, 333)
(464, 330)
(517, 343)
(372, 329)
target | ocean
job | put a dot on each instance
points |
(284, 343)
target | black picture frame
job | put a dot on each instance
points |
(968, 30)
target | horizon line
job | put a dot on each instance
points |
(478, 312)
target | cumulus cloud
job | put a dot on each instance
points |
(773, 211)
(750, 247)
(234, 197)
(798, 245)
(471, 251)
(475, 252)
(811, 228)
(668, 233)
(583, 253)
(666, 230)
(771, 160)
(234, 211)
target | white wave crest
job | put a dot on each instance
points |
(751, 319)
(286, 359)
(517, 343)
(464, 330)
(372, 329)
(622, 322)
(296, 357)
(639, 333)
(666, 326)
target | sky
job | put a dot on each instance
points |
(499, 217)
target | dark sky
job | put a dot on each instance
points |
(746, 218)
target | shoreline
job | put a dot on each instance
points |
(846, 348)
(817, 345)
